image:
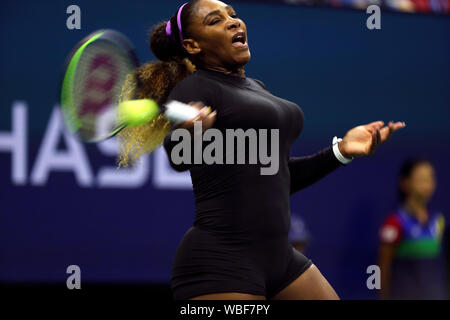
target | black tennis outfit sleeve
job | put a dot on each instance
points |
(189, 90)
(307, 170)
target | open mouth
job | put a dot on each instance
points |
(239, 40)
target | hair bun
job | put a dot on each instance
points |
(163, 46)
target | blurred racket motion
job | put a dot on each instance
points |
(91, 90)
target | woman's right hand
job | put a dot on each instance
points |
(205, 116)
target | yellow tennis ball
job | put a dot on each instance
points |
(137, 112)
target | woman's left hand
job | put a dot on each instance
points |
(363, 140)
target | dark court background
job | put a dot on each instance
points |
(63, 203)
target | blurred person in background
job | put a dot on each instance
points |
(299, 235)
(411, 237)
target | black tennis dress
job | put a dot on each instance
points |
(239, 239)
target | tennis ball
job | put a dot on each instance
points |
(134, 113)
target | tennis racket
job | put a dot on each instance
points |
(91, 86)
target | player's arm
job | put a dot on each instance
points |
(362, 140)
(207, 119)
(198, 95)
(305, 171)
(390, 235)
(385, 257)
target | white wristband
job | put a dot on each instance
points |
(338, 153)
(180, 112)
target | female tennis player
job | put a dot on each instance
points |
(238, 247)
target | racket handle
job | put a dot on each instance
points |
(180, 112)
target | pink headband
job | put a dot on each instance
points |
(169, 26)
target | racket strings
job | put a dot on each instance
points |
(101, 71)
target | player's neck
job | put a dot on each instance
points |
(418, 208)
(239, 72)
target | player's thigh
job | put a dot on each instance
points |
(229, 296)
(310, 285)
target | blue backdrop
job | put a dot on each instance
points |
(63, 203)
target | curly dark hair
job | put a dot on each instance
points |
(155, 80)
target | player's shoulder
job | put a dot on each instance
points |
(391, 229)
(194, 88)
(440, 215)
(392, 218)
(196, 78)
(194, 82)
(259, 82)
(441, 222)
